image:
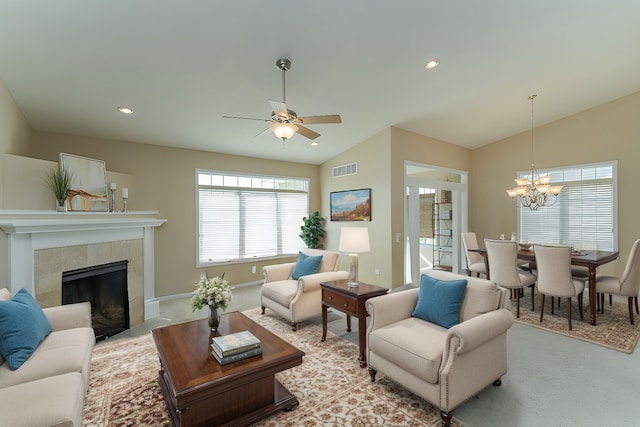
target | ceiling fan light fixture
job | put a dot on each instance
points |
(284, 131)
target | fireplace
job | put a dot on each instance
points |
(105, 287)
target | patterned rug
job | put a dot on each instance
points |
(612, 329)
(331, 387)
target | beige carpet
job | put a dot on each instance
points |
(332, 389)
(612, 328)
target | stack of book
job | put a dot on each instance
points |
(234, 347)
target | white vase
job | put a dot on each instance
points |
(62, 208)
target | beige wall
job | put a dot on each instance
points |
(372, 157)
(607, 132)
(165, 181)
(15, 132)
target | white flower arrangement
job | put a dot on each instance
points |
(215, 291)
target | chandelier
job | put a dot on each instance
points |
(534, 190)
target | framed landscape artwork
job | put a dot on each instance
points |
(351, 205)
(89, 184)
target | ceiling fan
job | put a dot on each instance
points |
(285, 122)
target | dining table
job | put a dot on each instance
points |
(591, 259)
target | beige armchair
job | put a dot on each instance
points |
(443, 366)
(301, 299)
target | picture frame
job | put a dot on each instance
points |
(89, 184)
(351, 205)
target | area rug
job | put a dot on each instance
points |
(612, 329)
(331, 387)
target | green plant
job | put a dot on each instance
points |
(59, 181)
(312, 230)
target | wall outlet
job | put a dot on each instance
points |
(376, 271)
(253, 269)
(203, 274)
(397, 237)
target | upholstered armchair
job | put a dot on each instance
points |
(443, 366)
(300, 298)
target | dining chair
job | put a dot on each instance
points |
(627, 285)
(503, 265)
(554, 278)
(475, 261)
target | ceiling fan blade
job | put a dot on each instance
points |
(309, 120)
(260, 133)
(306, 132)
(245, 118)
(280, 109)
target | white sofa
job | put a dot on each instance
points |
(50, 386)
(443, 366)
(301, 299)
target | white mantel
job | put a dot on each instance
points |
(29, 231)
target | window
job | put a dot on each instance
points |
(584, 214)
(243, 217)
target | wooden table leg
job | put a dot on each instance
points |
(592, 294)
(324, 322)
(362, 340)
(348, 323)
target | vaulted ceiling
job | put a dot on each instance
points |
(183, 65)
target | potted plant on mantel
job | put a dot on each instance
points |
(312, 230)
(59, 181)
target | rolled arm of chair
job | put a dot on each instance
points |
(468, 335)
(277, 272)
(387, 309)
(311, 282)
(69, 316)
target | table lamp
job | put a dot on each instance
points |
(354, 240)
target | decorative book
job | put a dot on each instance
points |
(236, 357)
(239, 342)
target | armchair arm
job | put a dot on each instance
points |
(390, 308)
(468, 335)
(312, 281)
(277, 272)
(69, 316)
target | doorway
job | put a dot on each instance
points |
(435, 216)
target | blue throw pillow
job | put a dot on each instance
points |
(306, 264)
(439, 301)
(23, 325)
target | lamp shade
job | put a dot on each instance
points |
(354, 239)
(284, 130)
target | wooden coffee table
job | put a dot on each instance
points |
(200, 392)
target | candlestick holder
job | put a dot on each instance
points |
(113, 200)
(124, 200)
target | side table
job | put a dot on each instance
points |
(350, 300)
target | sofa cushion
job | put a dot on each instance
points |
(54, 401)
(281, 292)
(439, 301)
(5, 295)
(306, 264)
(61, 352)
(397, 343)
(329, 259)
(23, 326)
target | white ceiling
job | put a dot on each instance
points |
(182, 65)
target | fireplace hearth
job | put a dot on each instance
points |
(105, 287)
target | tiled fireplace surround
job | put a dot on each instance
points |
(40, 249)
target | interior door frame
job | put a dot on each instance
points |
(459, 198)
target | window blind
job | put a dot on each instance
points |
(240, 223)
(584, 214)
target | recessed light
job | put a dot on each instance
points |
(125, 110)
(431, 64)
(314, 143)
